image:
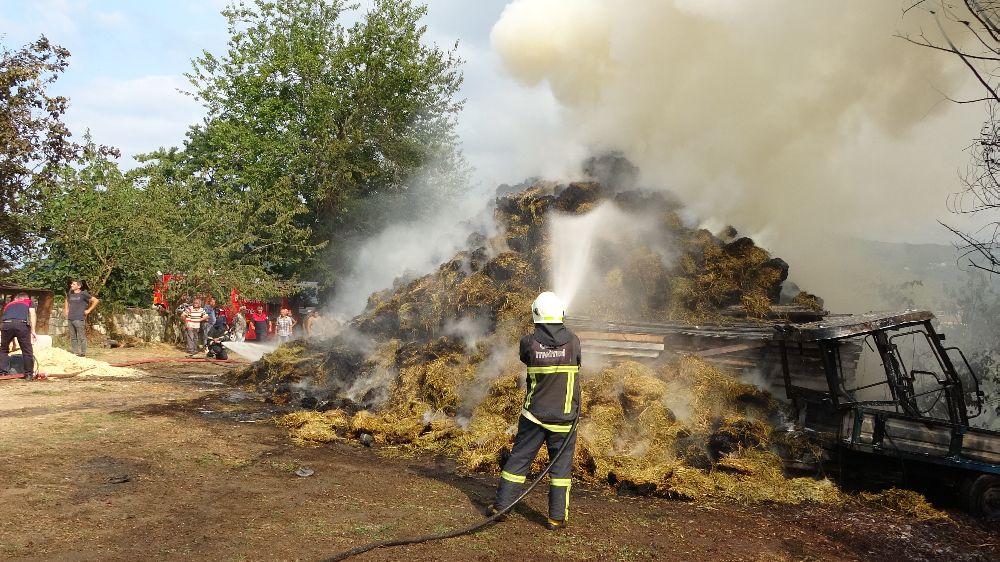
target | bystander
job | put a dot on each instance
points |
(78, 305)
(18, 323)
(194, 317)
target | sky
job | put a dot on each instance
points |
(129, 58)
(794, 121)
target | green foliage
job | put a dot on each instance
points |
(34, 142)
(312, 127)
(97, 225)
(118, 230)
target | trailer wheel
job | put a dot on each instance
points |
(982, 495)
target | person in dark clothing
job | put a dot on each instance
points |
(78, 305)
(218, 333)
(209, 307)
(551, 405)
(18, 323)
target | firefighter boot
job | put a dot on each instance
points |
(492, 510)
(558, 503)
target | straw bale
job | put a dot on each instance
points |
(438, 433)
(386, 428)
(733, 433)
(614, 279)
(764, 465)
(504, 399)
(385, 353)
(711, 275)
(292, 362)
(436, 382)
(476, 292)
(578, 197)
(905, 502)
(648, 277)
(318, 427)
(756, 304)
(814, 490)
(672, 221)
(688, 265)
(597, 432)
(485, 437)
(686, 483)
(808, 301)
(517, 237)
(639, 387)
(509, 266)
(751, 476)
(511, 320)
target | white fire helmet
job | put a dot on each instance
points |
(547, 309)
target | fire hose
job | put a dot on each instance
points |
(496, 517)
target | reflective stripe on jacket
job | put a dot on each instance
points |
(553, 394)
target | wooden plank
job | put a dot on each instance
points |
(619, 336)
(729, 349)
(623, 344)
(622, 352)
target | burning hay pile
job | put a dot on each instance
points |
(407, 376)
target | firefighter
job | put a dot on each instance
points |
(18, 322)
(551, 404)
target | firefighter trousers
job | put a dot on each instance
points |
(529, 439)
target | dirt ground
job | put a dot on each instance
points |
(175, 465)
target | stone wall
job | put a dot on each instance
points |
(145, 324)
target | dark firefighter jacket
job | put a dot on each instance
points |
(552, 354)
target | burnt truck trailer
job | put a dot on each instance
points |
(880, 393)
(882, 390)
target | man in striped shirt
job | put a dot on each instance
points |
(193, 319)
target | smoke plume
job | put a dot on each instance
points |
(791, 120)
(409, 248)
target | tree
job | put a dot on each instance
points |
(97, 225)
(118, 230)
(970, 30)
(315, 122)
(34, 142)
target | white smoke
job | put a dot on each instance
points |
(409, 248)
(470, 330)
(503, 358)
(791, 120)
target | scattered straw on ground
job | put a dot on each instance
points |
(53, 361)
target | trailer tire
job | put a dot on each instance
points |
(982, 495)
